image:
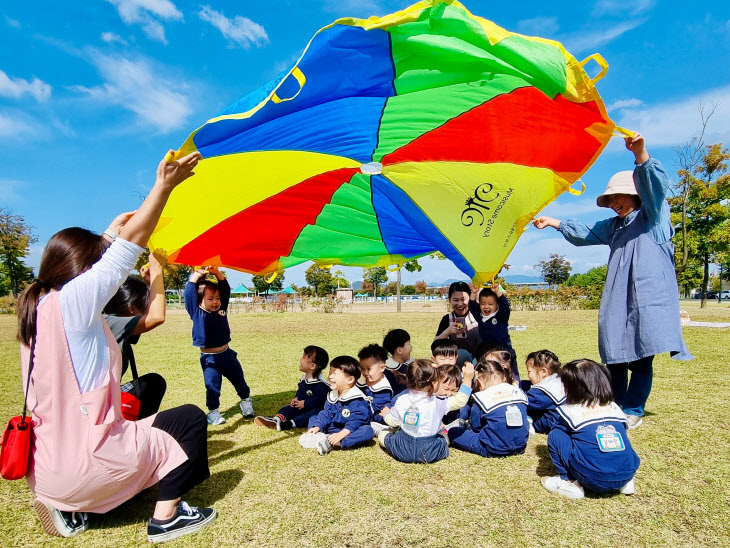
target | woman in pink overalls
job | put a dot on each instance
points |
(85, 456)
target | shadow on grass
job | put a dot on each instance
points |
(139, 508)
(544, 462)
(243, 450)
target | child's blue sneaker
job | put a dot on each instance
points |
(247, 408)
(215, 418)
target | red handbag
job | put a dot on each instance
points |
(15, 445)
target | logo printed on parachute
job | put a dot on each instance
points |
(481, 197)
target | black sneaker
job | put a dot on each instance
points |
(187, 520)
(58, 523)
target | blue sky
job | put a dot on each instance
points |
(93, 93)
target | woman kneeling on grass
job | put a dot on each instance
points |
(85, 457)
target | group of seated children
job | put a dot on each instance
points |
(417, 408)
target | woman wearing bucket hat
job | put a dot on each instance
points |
(639, 315)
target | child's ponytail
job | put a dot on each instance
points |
(422, 376)
(486, 369)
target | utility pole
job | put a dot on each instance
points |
(397, 291)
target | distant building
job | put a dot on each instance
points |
(344, 294)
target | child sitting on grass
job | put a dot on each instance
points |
(207, 303)
(345, 420)
(398, 344)
(443, 352)
(589, 446)
(311, 393)
(374, 384)
(419, 413)
(498, 415)
(547, 390)
(450, 381)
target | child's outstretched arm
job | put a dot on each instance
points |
(191, 291)
(157, 306)
(462, 397)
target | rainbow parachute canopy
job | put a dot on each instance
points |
(426, 130)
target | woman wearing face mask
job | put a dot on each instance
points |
(639, 315)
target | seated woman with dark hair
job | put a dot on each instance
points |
(85, 457)
(460, 326)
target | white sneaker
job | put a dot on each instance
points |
(379, 427)
(247, 408)
(215, 418)
(570, 489)
(323, 445)
(309, 441)
(58, 523)
(629, 488)
(634, 421)
(458, 423)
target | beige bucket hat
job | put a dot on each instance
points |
(621, 183)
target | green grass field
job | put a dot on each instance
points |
(270, 492)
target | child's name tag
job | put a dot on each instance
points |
(411, 418)
(514, 417)
(609, 440)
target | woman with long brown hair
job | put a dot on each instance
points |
(85, 456)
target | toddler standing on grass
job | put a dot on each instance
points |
(345, 420)
(207, 304)
(311, 393)
(590, 446)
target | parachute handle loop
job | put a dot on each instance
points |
(393, 268)
(300, 78)
(575, 192)
(601, 63)
(271, 278)
(622, 132)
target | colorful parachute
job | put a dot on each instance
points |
(426, 130)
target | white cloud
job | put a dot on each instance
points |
(622, 7)
(240, 30)
(140, 88)
(625, 103)
(15, 88)
(11, 190)
(12, 22)
(111, 38)
(17, 126)
(593, 39)
(146, 14)
(675, 122)
(538, 26)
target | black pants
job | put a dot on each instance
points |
(152, 389)
(188, 425)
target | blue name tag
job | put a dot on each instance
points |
(411, 418)
(610, 442)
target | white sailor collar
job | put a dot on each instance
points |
(393, 365)
(578, 416)
(314, 380)
(498, 396)
(353, 393)
(383, 385)
(553, 387)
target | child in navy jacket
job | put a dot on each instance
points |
(397, 343)
(493, 310)
(547, 391)
(207, 305)
(589, 446)
(345, 420)
(498, 424)
(311, 393)
(373, 382)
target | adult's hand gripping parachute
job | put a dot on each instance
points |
(426, 130)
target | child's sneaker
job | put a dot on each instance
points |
(186, 520)
(58, 523)
(323, 445)
(570, 489)
(269, 422)
(629, 488)
(634, 421)
(215, 418)
(309, 441)
(458, 423)
(247, 408)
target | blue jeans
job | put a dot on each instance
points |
(631, 395)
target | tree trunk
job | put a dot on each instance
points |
(705, 279)
(685, 248)
(397, 292)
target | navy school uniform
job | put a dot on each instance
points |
(379, 395)
(591, 445)
(313, 392)
(543, 400)
(351, 411)
(495, 330)
(497, 423)
(211, 330)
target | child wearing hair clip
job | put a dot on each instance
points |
(419, 413)
(498, 424)
(547, 390)
(589, 446)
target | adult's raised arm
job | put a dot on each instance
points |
(139, 228)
